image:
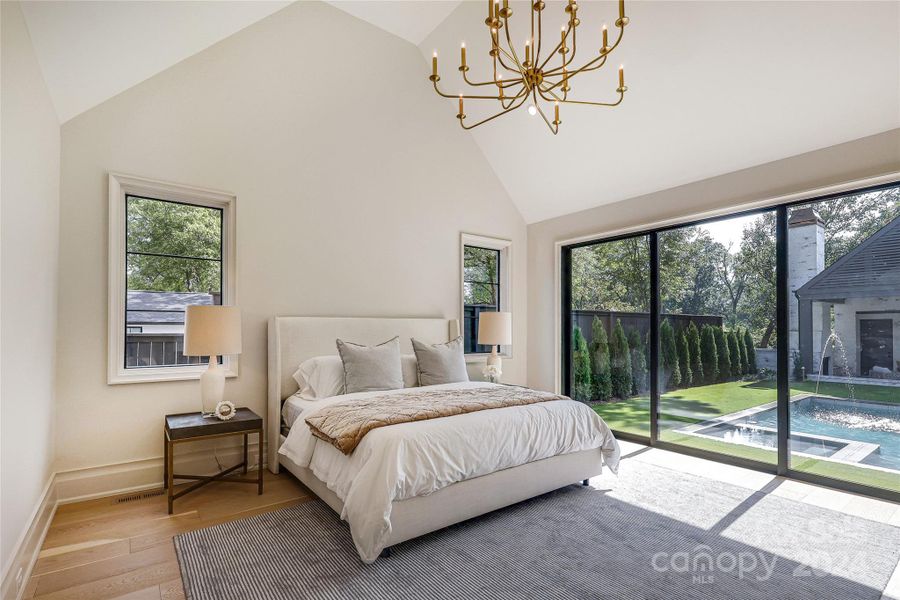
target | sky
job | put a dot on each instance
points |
(728, 231)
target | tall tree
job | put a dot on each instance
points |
(639, 372)
(620, 362)
(734, 352)
(671, 371)
(751, 352)
(724, 354)
(581, 367)
(709, 353)
(742, 350)
(684, 359)
(600, 370)
(693, 339)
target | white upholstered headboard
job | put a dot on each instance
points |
(294, 339)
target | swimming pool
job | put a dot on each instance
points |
(823, 427)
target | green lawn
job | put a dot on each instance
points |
(700, 403)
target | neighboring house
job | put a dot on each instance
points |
(860, 292)
(154, 326)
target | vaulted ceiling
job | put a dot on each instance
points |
(713, 86)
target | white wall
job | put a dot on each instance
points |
(352, 182)
(867, 157)
(30, 220)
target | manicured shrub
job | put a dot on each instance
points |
(751, 351)
(693, 340)
(671, 372)
(709, 354)
(724, 355)
(601, 379)
(620, 362)
(742, 350)
(734, 352)
(684, 359)
(581, 367)
(639, 374)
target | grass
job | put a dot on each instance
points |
(692, 405)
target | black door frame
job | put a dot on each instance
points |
(783, 465)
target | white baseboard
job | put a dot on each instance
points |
(138, 475)
(96, 482)
(28, 546)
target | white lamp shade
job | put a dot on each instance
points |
(495, 328)
(212, 330)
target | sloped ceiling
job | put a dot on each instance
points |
(713, 86)
(90, 51)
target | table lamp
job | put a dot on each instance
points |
(494, 330)
(212, 331)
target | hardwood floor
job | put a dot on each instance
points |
(121, 546)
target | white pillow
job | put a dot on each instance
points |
(320, 377)
(323, 376)
(410, 370)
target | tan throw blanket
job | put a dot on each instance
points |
(344, 424)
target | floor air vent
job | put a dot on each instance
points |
(143, 496)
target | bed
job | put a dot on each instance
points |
(381, 514)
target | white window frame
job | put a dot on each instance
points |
(506, 257)
(121, 186)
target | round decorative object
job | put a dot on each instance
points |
(225, 410)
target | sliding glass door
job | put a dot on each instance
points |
(844, 275)
(609, 354)
(717, 337)
(769, 338)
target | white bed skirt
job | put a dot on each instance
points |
(417, 516)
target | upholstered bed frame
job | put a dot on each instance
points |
(294, 339)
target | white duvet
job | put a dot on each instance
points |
(414, 459)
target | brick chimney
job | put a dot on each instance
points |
(806, 259)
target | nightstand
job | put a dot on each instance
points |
(191, 427)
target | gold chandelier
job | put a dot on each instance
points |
(518, 80)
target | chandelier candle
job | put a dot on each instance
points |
(542, 76)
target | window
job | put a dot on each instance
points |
(610, 331)
(170, 247)
(485, 285)
(768, 338)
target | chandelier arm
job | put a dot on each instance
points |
(583, 69)
(514, 57)
(507, 83)
(590, 66)
(463, 96)
(491, 118)
(587, 67)
(557, 49)
(553, 128)
(512, 99)
(616, 103)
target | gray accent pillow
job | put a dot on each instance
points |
(371, 368)
(440, 363)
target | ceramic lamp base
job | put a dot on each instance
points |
(494, 360)
(212, 386)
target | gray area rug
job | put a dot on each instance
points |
(658, 534)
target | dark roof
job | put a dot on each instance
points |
(804, 216)
(161, 307)
(870, 270)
